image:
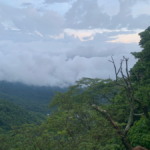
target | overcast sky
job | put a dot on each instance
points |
(56, 42)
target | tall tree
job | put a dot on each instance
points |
(128, 88)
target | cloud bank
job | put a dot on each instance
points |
(51, 49)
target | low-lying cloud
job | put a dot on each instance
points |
(49, 48)
(33, 65)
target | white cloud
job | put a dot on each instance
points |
(57, 1)
(49, 23)
(30, 21)
(126, 38)
(39, 46)
(88, 14)
(44, 64)
(108, 6)
(141, 7)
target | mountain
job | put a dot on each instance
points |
(13, 115)
(29, 97)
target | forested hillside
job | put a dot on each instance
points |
(13, 115)
(95, 114)
(31, 98)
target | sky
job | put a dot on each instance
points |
(57, 42)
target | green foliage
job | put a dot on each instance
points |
(145, 37)
(119, 108)
(13, 115)
(26, 137)
(139, 134)
(81, 127)
(141, 70)
(75, 124)
(31, 98)
(93, 128)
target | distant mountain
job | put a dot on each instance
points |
(29, 97)
(13, 115)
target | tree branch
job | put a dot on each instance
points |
(109, 118)
(138, 114)
(116, 72)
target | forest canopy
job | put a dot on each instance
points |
(95, 114)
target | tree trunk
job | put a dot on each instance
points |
(126, 143)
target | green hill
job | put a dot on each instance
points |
(13, 115)
(29, 97)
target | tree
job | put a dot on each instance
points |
(141, 70)
(95, 113)
(78, 121)
(129, 92)
(136, 87)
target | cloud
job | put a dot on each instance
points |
(40, 68)
(8, 13)
(89, 51)
(72, 39)
(41, 63)
(141, 8)
(26, 4)
(57, 1)
(89, 15)
(141, 22)
(28, 24)
(126, 38)
(85, 14)
(49, 23)
(125, 19)
(45, 48)
(1, 27)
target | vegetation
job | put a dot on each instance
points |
(31, 98)
(13, 115)
(95, 114)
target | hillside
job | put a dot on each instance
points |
(29, 97)
(13, 115)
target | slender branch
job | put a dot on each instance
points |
(138, 114)
(116, 72)
(125, 80)
(109, 118)
(130, 121)
(87, 127)
(126, 59)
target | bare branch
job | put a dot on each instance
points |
(116, 72)
(109, 118)
(139, 114)
(125, 79)
(130, 121)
